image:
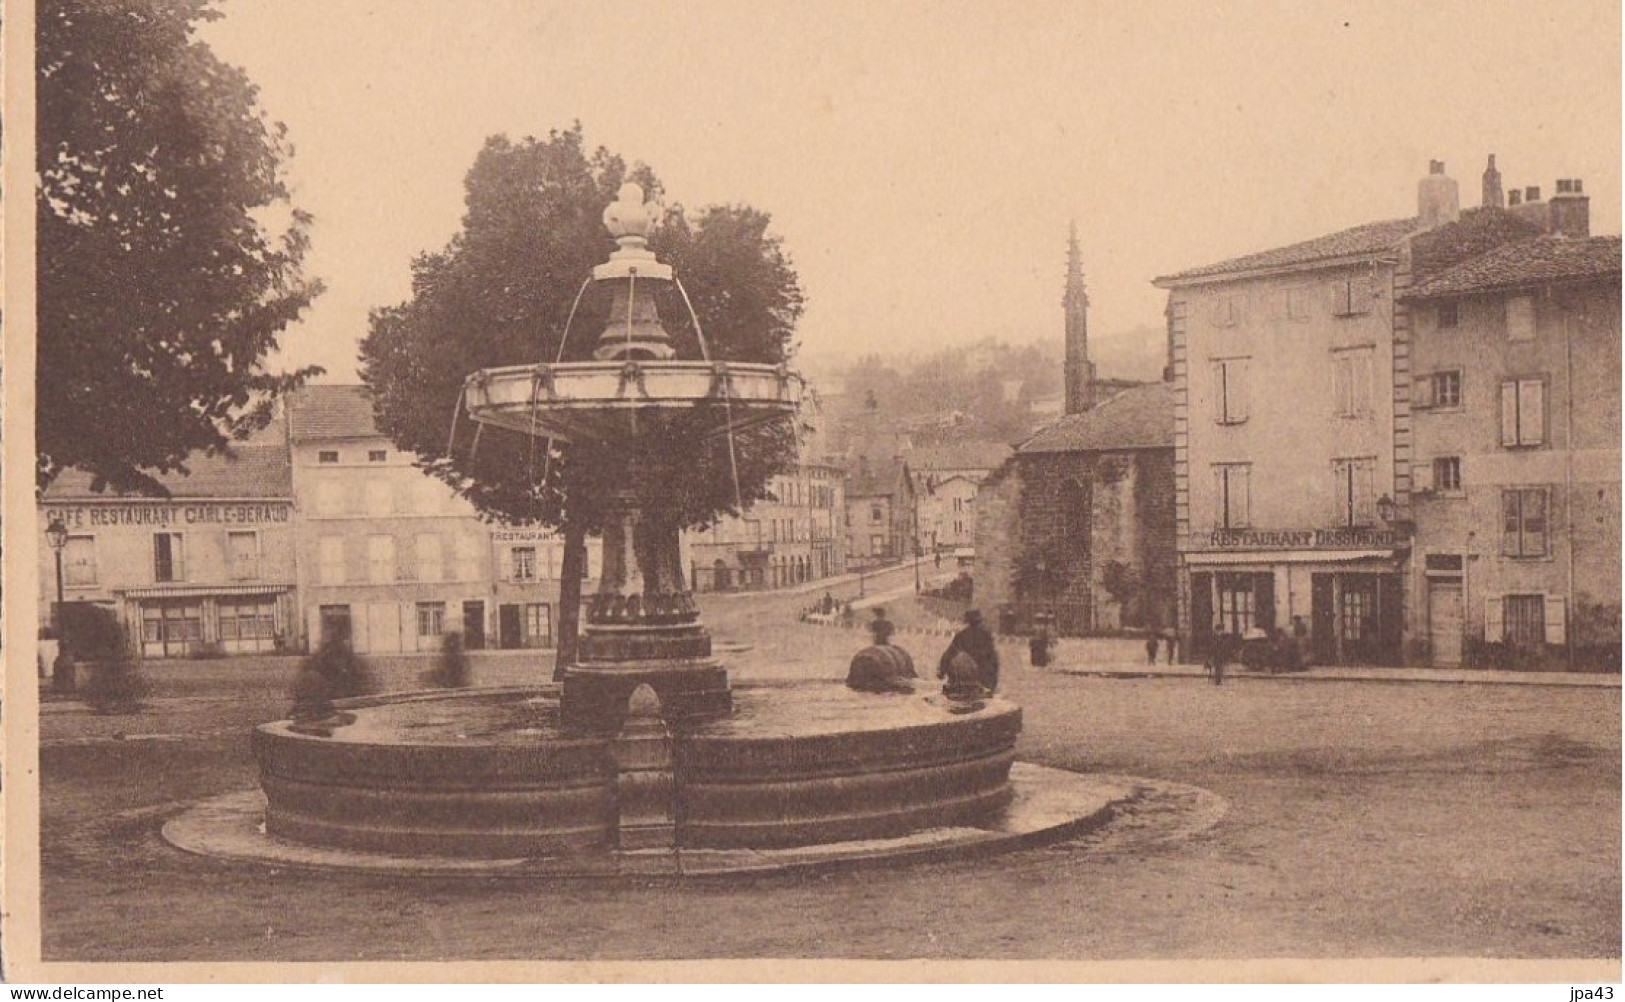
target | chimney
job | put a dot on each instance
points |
(1531, 209)
(1570, 210)
(1438, 200)
(1492, 186)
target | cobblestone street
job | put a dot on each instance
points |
(1365, 818)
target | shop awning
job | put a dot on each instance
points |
(201, 590)
(1254, 557)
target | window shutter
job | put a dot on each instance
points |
(1360, 294)
(1236, 385)
(1537, 526)
(1556, 619)
(1511, 522)
(1531, 412)
(1422, 477)
(1361, 375)
(1492, 619)
(1422, 393)
(1219, 518)
(1340, 493)
(1241, 496)
(1218, 392)
(1365, 494)
(1341, 396)
(505, 560)
(1520, 314)
(1509, 413)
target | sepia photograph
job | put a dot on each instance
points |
(532, 490)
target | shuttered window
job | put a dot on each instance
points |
(330, 563)
(1351, 382)
(1523, 412)
(168, 557)
(79, 562)
(243, 551)
(426, 548)
(1232, 486)
(1441, 390)
(1520, 311)
(1523, 620)
(1230, 390)
(1526, 621)
(1355, 487)
(380, 559)
(1352, 296)
(1525, 522)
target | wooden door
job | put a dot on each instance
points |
(1444, 622)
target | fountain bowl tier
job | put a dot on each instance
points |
(489, 773)
(597, 401)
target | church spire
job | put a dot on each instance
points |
(1080, 372)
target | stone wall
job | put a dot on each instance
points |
(1090, 535)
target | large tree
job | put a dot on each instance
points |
(504, 290)
(169, 253)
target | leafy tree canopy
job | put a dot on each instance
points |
(502, 293)
(163, 282)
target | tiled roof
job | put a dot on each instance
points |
(253, 471)
(1138, 418)
(874, 479)
(959, 456)
(1477, 231)
(1526, 262)
(327, 412)
(1367, 239)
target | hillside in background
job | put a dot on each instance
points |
(990, 391)
(1136, 354)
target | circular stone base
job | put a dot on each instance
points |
(1047, 805)
(495, 773)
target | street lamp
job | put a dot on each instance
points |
(56, 534)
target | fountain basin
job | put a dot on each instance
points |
(490, 774)
(591, 401)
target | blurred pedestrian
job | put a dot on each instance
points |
(975, 642)
(1040, 647)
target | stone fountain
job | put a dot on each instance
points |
(646, 750)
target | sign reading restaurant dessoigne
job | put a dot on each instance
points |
(1299, 539)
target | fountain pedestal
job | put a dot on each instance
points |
(643, 628)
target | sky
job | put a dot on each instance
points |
(922, 161)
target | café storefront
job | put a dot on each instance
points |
(185, 578)
(1341, 590)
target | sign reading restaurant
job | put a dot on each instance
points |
(1298, 539)
(166, 513)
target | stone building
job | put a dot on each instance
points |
(1079, 523)
(208, 569)
(391, 559)
(946, 478)
(881, 514)
(798, 536)
(1516, 461)
(1297, 440)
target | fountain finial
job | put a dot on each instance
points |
(630, 220)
